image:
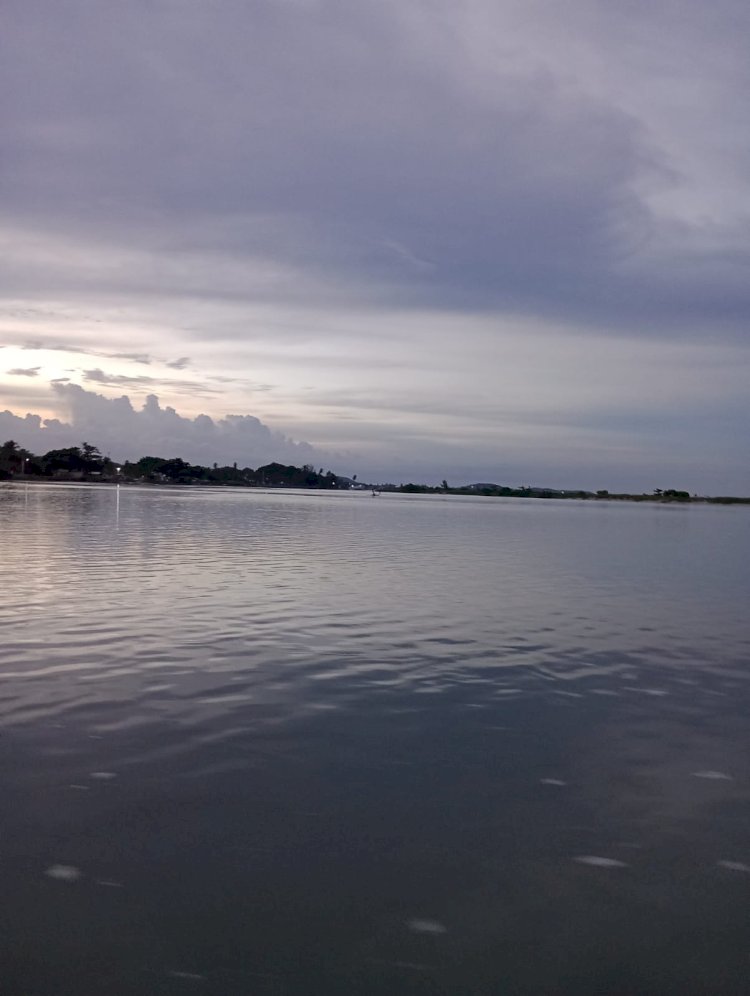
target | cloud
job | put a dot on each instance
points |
(53, 344)
(57, 345)
(100, 377)
(461, 161)
(134, 357)
(24, 372)
(470, 216)
(127, 432)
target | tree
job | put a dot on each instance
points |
(176, 469)
(13, 457)
(90, 452)
(92, 458)
(9, 456)
(69, 460)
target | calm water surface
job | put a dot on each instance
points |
(312, 744)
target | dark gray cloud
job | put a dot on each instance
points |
(368, 148)
(24, 372)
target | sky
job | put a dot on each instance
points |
(480, 240)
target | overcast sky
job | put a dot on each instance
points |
(496, 240)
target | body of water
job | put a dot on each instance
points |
(310, 744)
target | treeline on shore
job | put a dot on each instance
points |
(86, 463)
(501, 491)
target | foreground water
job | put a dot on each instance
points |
(323, 744)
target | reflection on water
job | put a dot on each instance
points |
(315, 744)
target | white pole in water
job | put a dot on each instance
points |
(117, 503)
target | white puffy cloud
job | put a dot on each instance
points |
(126, 432)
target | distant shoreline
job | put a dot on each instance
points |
(423, 490)
(85, 464)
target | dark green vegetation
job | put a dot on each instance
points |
(86, 463)
(501, 491)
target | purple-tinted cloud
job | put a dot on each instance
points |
(366, 148)
(358, 198)
(127, 432)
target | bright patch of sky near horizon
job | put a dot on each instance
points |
(477, 240)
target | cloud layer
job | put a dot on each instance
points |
(126, 432)
(382, 150)
(352, 219)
